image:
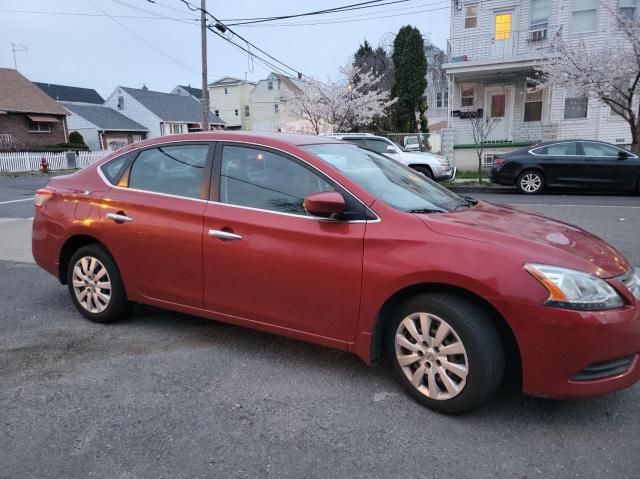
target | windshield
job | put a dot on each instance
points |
(386, 179)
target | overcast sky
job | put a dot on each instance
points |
(96, 51)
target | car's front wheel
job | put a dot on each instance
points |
(530, 182)
(95, 285)
(445, 351)
(425, 170)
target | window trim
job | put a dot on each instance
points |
(214, 147)
(477, 15)
(462, 85)
(564, 107)
(539, 25)
(524, 106)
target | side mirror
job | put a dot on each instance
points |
(326, 205)
(391, 149)
(623, 155)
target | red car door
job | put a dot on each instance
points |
(153, 223)
(266, 259)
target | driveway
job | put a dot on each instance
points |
(168, 395)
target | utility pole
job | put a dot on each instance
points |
(205, 85)
(16, 47)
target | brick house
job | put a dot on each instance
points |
(29, 118)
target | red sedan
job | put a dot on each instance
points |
(323, 241)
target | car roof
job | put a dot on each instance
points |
(555, 142)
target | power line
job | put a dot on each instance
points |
(81, 14)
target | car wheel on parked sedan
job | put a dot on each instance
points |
(445, 351)
(530, 182)
(95, 285)
(425, 170)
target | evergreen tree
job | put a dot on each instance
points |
(409, 79)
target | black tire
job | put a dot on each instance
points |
(530, 177)
(425, 170)
(485, 358)
(118, 306)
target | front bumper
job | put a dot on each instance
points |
(445, 173)
(560, 349)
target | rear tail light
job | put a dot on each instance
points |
(42, 196)
(499, 161)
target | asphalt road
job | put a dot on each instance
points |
(168, 395)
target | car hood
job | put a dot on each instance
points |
(421, 155)
(539, 239)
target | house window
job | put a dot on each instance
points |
(503, 26)
(39, 127)
(442, 99)
(470, 16)
(583, 16)
(628, 8)
(120, 102)
(246, 110)
(269, 85)
(575, 105)
(539, 14)
(226, 91)
(276, 108)
(533, 105)
(236, 112)
(468, 94)
(175, 128)
(136, 138)
(217, 112)
(116, 143)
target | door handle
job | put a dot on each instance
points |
(224, 235)
(118, 218)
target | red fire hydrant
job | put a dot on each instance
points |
(44, 165)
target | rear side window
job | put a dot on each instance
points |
(261, 179)
(559, 149)
(599, 149)
(113, 169)
(175, 170)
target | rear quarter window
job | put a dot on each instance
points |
(113, 169)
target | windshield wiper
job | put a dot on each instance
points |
(425, 210)
(466, 201)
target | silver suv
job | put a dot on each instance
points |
(433, 166)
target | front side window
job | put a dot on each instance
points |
(558, 149)
(583, 16)
(261, 179)
(175, 170)
(533, 105)
(628, 8)
(468, 94)
(539, 14)
(575, 105)
(392, 183)
(599, 149)
(470, 16)
(379, 146)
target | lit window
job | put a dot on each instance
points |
(575, 105)
(471, 16)
(628, 8)
(539, 16)
(503, 26)
(533, 105)
(583, 16)
(468, 94)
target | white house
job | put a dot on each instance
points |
(229, 98)
(161, 113)
(268, 112)
(492, 51)
(188, 90)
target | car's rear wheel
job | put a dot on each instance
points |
(425, 170)
(95, 285)
(530, 182)
(445, 351)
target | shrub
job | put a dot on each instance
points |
(76, 137)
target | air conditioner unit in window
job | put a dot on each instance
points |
(487, 159)
(538, 35)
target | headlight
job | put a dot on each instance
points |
(574, 289)
(632, 281)
(443, 161)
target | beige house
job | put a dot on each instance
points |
(229, 98)
(492, 51)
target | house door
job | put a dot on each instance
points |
(499, 109)
(502, 42)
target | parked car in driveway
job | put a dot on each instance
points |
(574, 164)
(432, 166)
(320, 240)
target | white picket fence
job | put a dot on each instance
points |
(16, 162)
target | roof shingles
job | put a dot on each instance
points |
(70, 93)
(18, 94)
(104, 118)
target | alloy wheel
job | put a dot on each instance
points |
(91, 284)
(531, 182)
(431, 356)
